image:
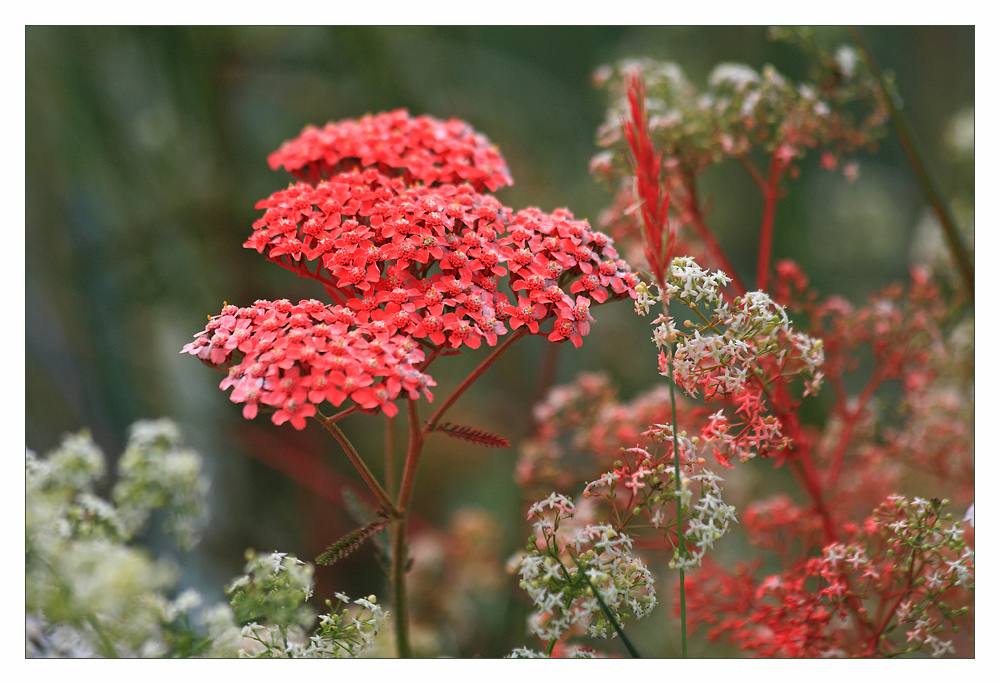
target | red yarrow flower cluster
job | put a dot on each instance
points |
(420, 149)
(293, 357)
(417, 268)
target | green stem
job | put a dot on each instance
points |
(399, 556)
(681, 542)
(927, 184)
(390, 448)
(610, 616)
(551, 647)
(109, 648)
(400, 618)
(414, 447)
(362, 468)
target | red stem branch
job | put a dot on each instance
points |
(767, 223)
(714, 248)
(489, 361)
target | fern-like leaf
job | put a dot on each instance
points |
(482, 437)
(350, 543)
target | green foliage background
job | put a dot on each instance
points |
(145, 155)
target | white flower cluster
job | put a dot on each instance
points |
(87, 592)
(723, 350)
(274, 588)
(739, 76)
(573, 653)
(157, 472)
(344, 634)
(651, 489)
(709, 521)
(562, 574)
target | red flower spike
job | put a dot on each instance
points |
(650, 191)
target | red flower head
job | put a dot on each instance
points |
(295, 357)
(412, 268)
(424, 149)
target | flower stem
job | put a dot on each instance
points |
(611, 617)
(927, 184)
(414, 447)
(399, 556)
(399, 605)
(362, 468)
(681, 542)
(390, 448)
(767, 223)
(677, 497)
(489, 361)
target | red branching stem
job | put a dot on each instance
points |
(390, 449)
(416, 443)
(902, 594)
(651, 193)
(850, 419)
(767, 222)
(713, 246)
(800, 459)
(359, 464)
(482, 368)
(353, 408)
(754, 172)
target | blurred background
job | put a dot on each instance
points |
(146, 152)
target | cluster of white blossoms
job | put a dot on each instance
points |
(650, 493)
(271, 599)
(728, 339)
(572, 653)
(710, 519)
(88, 592)
(568, 576)
(156, 471)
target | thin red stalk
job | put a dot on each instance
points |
(849, 421)
(489, 361)
(414, 446)
(399, 552)
(353, 408)
(767, 223)
(714, 248)
(390, 448)
(754, 172)
(805, 471)
(902, 595)
(359, 464)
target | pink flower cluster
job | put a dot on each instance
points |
(294, 357)
(421, 149)
(415, 272)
